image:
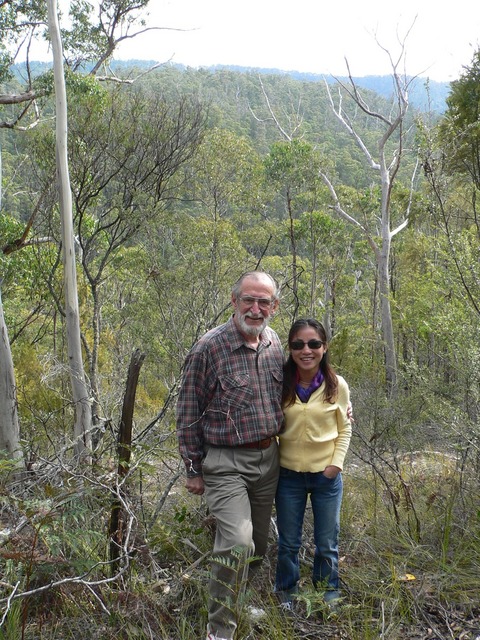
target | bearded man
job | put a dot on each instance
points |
(228, 416)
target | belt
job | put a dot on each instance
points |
(260, 444)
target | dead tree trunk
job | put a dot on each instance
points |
(118, 516)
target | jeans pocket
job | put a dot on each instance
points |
(331, 480)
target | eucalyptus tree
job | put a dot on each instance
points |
(226, 186)
(384, 161)
(80, 395)
(292, 171)
(452, 167)
(459, 130)
(126, 149)
(9, 425)
(95, 29)
(327, 243)
(451, 164)
(212, 233)
(86, 42)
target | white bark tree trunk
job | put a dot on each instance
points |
(9, 425)
(80, 391)
(387, 171)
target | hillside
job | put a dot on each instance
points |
(425, 94)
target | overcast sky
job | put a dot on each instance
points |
(313, 36)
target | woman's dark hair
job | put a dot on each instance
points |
(290, 368)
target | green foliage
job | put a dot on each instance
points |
(290, 159)
(159, 245)
(12, 627)
(168, 538)
(84, 40)
(79, 86)
(17, 19)
(8, 467)
(383, 568)
(460, 130)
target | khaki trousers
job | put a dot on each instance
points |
(240, 486)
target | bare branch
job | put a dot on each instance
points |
(114, 78)
(272, 113)
(9, 600)
(114, 42)
(354, 93)
(343, 118)
(12, 98)
(347, 217)
(21, 242)
(296, 125)
(404, 224)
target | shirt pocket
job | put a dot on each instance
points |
(277, 375)
(234, 391)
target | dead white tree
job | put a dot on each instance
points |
(392, 135)
(80, 390)
(391, 140)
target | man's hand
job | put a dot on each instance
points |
(350, 412)
(195, 485)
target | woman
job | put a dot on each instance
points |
(312, 451)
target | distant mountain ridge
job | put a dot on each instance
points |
(424, 94)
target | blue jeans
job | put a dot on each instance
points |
(291, 500)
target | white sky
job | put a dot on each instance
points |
(313, 36)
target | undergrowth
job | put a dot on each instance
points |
(410, 559)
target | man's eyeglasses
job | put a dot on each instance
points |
(298, 345)
(263, 303)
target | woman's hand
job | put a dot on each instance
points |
(331, 472)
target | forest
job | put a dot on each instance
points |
(363, 208)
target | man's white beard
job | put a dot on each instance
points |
(251, 330)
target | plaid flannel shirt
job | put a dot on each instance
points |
(231, 393)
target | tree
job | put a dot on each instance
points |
(328, 247)
(21, 22)
(392, 140)
(88, 43)
(9, 425)
(292, 168)
(460, 128)
(80, 394)
(451, 163)
(126, 149)
(380, 239)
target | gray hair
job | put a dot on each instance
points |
(256, 275)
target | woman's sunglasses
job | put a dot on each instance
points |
(298, 345)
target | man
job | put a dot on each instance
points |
(228, 415)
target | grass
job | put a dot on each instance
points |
(410, 559)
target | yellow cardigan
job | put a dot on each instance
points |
(317, 433)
